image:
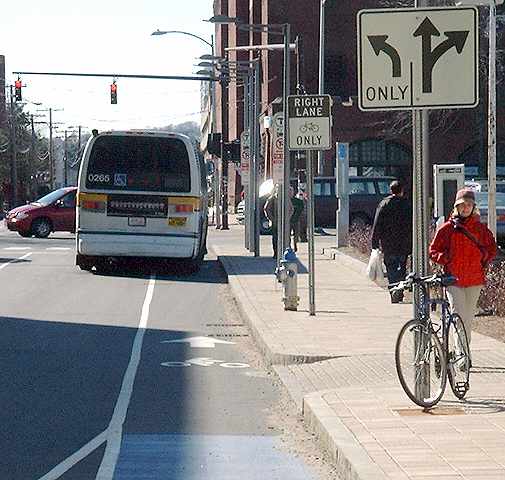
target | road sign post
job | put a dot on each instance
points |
(419, 59)
(309, 127)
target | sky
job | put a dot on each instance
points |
(114, 37)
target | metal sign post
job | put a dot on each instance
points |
(278, 174)
(342, 192)
(418, 58)
(309, 118)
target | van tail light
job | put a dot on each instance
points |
(500, 218)
(92, 202)
(183, 204)
(184, 208)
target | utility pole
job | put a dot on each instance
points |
(65, 160)
(51, 160)
(14, 167)
(32, 150)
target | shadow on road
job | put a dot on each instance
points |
(10, 260)
(60, 385)
(211, 271)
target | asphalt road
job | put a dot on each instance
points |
(100, 380)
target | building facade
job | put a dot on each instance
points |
(380, 143)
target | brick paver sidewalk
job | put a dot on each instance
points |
(339, 368)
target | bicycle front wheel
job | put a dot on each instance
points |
(421, 364)
(458, 356)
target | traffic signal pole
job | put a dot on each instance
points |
(14, 161)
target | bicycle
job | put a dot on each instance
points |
(426, 354)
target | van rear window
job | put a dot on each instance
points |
(138, 163)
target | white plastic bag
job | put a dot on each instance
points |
(374, 268)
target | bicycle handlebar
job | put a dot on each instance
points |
(414, 279)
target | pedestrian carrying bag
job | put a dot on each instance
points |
(374, 268)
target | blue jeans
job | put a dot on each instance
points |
(396, 267)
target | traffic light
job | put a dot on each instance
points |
(113, 93)
(18, 86)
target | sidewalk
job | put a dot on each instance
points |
(339, 368)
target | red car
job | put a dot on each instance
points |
(55, 212)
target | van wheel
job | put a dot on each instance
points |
(41, 227)
(84, 262)
(194, 264)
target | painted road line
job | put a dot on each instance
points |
(14, 260)
(75, 458)
(17, 249)
(115, 430)
(62, 249)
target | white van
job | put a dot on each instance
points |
(141, 194)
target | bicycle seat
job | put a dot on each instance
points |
(448, 280)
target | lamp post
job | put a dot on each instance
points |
(284, 30)
(491, 116)
(322, 20)
(212, 109)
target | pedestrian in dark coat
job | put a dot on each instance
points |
(392, 234)
(465, 247)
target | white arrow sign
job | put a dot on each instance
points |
(199, 342)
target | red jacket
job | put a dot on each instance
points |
(460, 255)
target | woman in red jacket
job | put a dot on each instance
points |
(464, 246)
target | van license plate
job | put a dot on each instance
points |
(137, 221)
(177, 221)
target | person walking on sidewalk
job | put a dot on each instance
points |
(392, 234)
(271, 212)
(465, 247)
(297, 204)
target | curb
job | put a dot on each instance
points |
(350, 458)
(348, 261)
(251, 318)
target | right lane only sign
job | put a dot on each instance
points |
(418, 58)
(309, 118)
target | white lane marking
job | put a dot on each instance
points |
(115, 429)
(83, 452)
(62, 249)
(14, 260)
(199, 342)
(13, 249)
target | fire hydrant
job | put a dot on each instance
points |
(287, 274)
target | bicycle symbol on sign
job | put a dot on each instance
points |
(309, 127)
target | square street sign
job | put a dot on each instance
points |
(309, 118)
(418, 58)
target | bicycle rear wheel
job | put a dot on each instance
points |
(421, 364)
(458, 356)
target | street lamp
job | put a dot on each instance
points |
(284, 30)
(212, 111)
(491, 125)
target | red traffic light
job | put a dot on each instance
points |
(113, 93)
(17, 86)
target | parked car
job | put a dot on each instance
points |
(365, 193)
(55, 212)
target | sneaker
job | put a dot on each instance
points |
(396, 296)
